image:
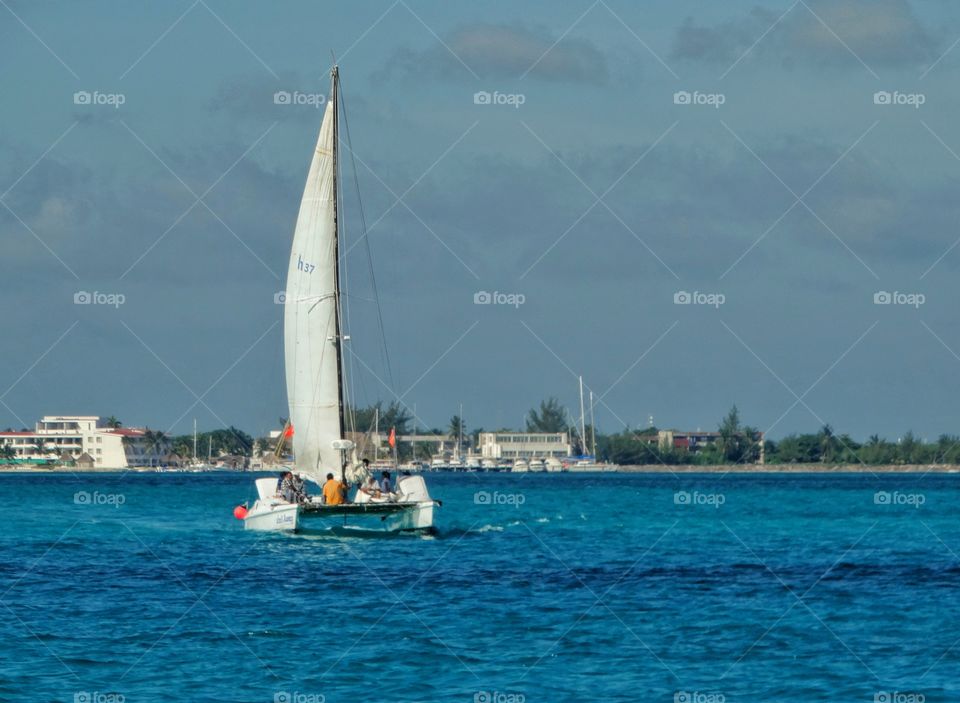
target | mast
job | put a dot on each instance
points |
(194, 440)
(593, 428)
(583, 427)
(338, 314)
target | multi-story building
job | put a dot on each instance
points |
(697, 441)
(78, 435)
(524, 445)
(692, 441)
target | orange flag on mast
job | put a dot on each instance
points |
(392, 440)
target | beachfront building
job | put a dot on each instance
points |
(524, 445)
(692, 441)
(59, 437)
(696, 441)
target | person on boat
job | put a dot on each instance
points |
(385, 485)
(292, 488)
(285, 486)
(299, 488)
(371, 487)
(334, 491)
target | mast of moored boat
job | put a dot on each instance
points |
(593, 428)
(583, 421)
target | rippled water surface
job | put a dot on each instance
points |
(545, 587)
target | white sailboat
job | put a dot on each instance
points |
(587, 462)
(313, 347)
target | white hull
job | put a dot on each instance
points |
(270, 516)
(592, 468)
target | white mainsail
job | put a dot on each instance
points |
(310, 317)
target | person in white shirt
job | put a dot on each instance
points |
(371, 487)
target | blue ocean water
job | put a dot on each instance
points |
(537, 587)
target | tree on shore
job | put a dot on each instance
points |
(457, 428)
(394, 415)
(737, 444)
(154, 440)
(550, 418)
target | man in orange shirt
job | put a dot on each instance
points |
(334, 491)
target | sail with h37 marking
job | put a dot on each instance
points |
(310, 323)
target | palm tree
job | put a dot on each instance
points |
(8, 453)
(154, 441)
(828, 444)
(457, 427)
(113, 423)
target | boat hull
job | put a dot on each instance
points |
(272, 516)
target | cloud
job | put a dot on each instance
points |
(291, 96)
(502, 51)
(878, 32)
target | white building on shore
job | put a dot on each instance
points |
(524, 445)
(79, 435)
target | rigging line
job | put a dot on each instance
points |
(366, 240)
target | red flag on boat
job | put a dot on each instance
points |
(392, 441)
(288, 433)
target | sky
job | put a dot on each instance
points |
(689, 207)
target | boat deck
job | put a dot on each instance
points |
(320, 509)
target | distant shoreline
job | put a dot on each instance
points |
(627, 469)
(793, 469)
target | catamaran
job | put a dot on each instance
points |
(314, 359)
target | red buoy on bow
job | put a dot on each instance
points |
(240, 512)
